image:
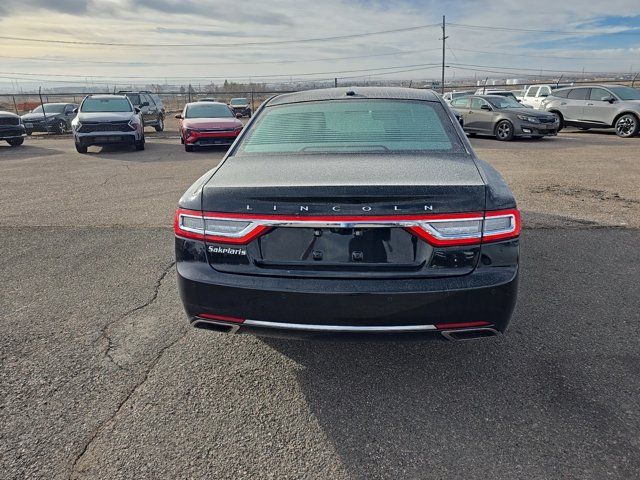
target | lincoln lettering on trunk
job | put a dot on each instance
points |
(364, 208)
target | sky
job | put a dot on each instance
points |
(272, 41)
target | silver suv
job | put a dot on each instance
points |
(107, 120)
(597, 106)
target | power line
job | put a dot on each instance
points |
(110, 80)
(225, 45)
(266, 62)
(526, 69)
(528, 55)
(217, 77)
(532, 30)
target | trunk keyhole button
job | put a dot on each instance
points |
(317, 255)
(357, 256)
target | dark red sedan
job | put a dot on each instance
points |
(206, 124)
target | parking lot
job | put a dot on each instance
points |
(101, 376)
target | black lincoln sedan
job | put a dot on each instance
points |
(350, 212)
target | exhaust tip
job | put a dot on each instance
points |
(469, 333)
(214, 326)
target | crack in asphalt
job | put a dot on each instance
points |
(126, 398)
(104, 334)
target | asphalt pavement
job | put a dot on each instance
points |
(101, 377)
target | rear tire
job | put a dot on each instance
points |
(160, 125)
(81, 148)
(15, 142)
(188, 148)
(504, 131)
(140, 144)
(627, 126)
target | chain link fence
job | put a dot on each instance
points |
(22, 103)
(173, 102)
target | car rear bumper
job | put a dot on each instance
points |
(418, 308)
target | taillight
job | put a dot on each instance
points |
(438, 230)
(193, 224)
(501, 225)
(461, 229)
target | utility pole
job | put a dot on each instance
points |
(444, 39)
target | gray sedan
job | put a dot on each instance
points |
(503, 117)
(56, 118)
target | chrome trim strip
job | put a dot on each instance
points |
(338, 328)
(342, 224)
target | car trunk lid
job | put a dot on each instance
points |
(326, 188)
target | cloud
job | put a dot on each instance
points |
(236, 22)
(232, 11)
(200, 32)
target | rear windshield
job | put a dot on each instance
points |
(358, 126)
(106, 105)
(207, 110)
(239, 101)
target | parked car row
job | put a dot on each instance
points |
(584, 107)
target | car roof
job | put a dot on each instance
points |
(489, 96)
(571, 87)
(342, 93)
(100, 96)
(199, 102)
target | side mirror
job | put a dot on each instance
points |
(75, 110)
(178, 116)
(238, 115)
(485, 107)
(608, 99)
(136, 109)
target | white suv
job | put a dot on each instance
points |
(535, 94)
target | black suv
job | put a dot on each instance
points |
(150, 105)
(11, 129)
(240, 106)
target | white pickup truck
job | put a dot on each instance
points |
(534, 95)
